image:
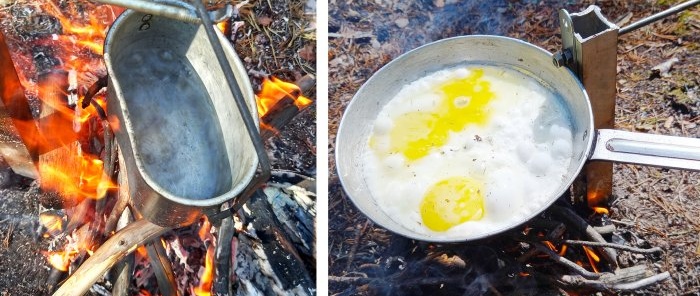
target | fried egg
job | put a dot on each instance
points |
(467, 149)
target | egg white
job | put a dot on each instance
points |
(519, 155)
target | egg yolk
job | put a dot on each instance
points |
(451, 202)
(463, 101)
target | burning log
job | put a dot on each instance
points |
(279, 102)
(112, 251)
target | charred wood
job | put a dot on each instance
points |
(162, 269)
(284, 110)
(266, 258)
(224, 254)
(112, 251)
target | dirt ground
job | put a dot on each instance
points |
(650, 206)
(271, 37)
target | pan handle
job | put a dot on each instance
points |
(647, 149)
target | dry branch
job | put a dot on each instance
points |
(112, 251)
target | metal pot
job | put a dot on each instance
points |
(183, 139)
(356, 124)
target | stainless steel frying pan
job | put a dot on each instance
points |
(357, 122)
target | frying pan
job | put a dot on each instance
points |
(588, 143)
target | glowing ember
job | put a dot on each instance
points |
(550, 246)
(273, 90)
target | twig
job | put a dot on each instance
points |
(607, 229)
(353, 249)
(124, 269)
(582, 226)
(566, 262)
(612, 245)
(575, 281)
(643, 282)
(122, 197)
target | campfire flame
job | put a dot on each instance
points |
(88, 35)
(79, 47)
(593, 258)
(274, 90)
(60, 259)
(52, 222)
(207, 279)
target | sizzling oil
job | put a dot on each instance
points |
(464, 102)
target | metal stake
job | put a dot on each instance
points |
(589, 44)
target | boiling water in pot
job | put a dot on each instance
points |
(179, 138)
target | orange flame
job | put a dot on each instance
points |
(88, 34)
(223, 26)
(592, 258)
(550, 245)
(562, 252)
(80, 174)
(601, 210)
(205, 283)
(59, 260)
(85, 181)
(595, 199)
(274, 90)
(207, 279)
(52, 222)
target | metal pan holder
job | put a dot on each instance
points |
(263, 162)
(615, 145)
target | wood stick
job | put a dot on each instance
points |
(223, 257)
(162, 269)
(609, 284)
(122, 196)
(125, 268)
(566, 262)
(612, 245)
(114, 249)
(582, 226)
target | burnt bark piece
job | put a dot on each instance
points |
(266, 258)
